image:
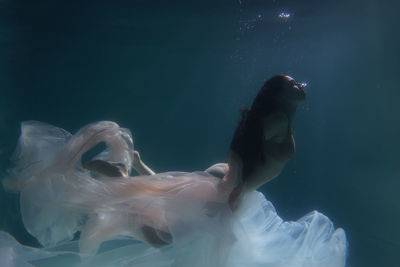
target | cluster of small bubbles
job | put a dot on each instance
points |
(245, 26)
(284, 15)
(303, 84)
(250, 24)
(306, 106)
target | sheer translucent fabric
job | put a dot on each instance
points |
(187, 212)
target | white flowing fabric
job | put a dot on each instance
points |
(59, 198)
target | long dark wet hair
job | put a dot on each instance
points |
(248, 138)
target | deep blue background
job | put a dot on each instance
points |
(177, 72)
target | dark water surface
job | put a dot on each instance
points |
(177, 72)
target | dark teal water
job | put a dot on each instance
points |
(177, 73)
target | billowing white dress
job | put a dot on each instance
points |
(60, 199)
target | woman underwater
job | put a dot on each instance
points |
(95, 214)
